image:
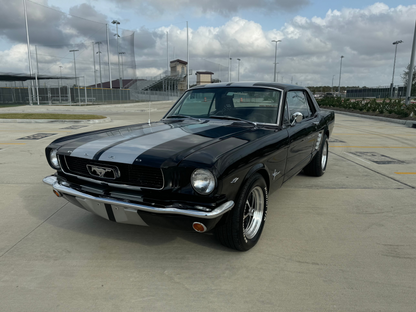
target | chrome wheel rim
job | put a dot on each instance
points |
(253, 212)
(324, 155)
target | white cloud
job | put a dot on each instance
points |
(310, 49)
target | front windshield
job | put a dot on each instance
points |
(252, 104)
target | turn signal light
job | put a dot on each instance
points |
(199, 227)
(58, 194)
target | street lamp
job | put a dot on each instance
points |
(122, 67)
(118, 55)
(238, 70)
(275, 58)
(396, 43)
(99, 62)
(60, 82)
(76, 79)
(339, 84)
(332, 88)
(229, 68)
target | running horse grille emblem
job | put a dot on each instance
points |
(103, 172)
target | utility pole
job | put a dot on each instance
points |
(412, 62)
(28, 53)
(93, 57)
(238, 70)
(99, 62)
(275, 58)
(339, 85)
(76, 79)
(118, 55)
(122, 67)
(396, 43)
(60, 80)
(187, 54)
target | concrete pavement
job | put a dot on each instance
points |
(342, 242)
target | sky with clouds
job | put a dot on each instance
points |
(313, 37)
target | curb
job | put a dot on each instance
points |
(407, 123)
(88, 121)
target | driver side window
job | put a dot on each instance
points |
(297, 102)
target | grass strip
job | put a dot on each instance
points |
(49, 116)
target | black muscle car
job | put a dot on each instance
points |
(208, 165)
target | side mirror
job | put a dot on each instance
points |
(296, 117)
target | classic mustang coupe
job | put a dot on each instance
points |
(208, 165)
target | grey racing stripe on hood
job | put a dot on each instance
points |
(127, 152)
(88, 150)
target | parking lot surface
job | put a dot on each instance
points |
(343, 242)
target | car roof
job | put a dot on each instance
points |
(248, 84)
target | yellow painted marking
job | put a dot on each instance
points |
(373, 146)
(380, 134)
(14, 143)
(405, 172)
(38, 130)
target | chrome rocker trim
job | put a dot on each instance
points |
(217, 212)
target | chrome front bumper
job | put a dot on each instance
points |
(123, 211)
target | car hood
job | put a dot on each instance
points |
(159, 144)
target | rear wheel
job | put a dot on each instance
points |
(318, 164)
(244, 225)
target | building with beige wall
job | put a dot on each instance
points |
(203, 77)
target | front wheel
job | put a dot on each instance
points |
(245, 223)
(318, 164)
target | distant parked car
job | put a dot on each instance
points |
(208, 165)
(329, 94)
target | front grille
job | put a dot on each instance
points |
(140, 176)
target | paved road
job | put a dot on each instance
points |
(342, 242)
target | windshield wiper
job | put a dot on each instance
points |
(183, 116)
(234, 118)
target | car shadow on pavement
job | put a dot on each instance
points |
(74, 221)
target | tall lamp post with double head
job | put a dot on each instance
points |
(396, 43)
(122, 67)
(339, 84)
(275, 58)
(118, 54)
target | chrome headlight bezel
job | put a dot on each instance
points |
(203, 181)
(53, 159)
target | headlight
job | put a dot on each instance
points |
(54, 159)
(203, 181)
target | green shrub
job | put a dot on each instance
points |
(371, 105)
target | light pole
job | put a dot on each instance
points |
(122, 67)
(60, 83)
(396, 43)
(231, 61)
(75, 69)
(99, 62)
(93, 58)
(238, 70)
(339, 84)
(118, 55)
(167, 54)
(332, 88)
(275, 58)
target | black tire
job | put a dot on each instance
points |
(243, 227)
(317, 166)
